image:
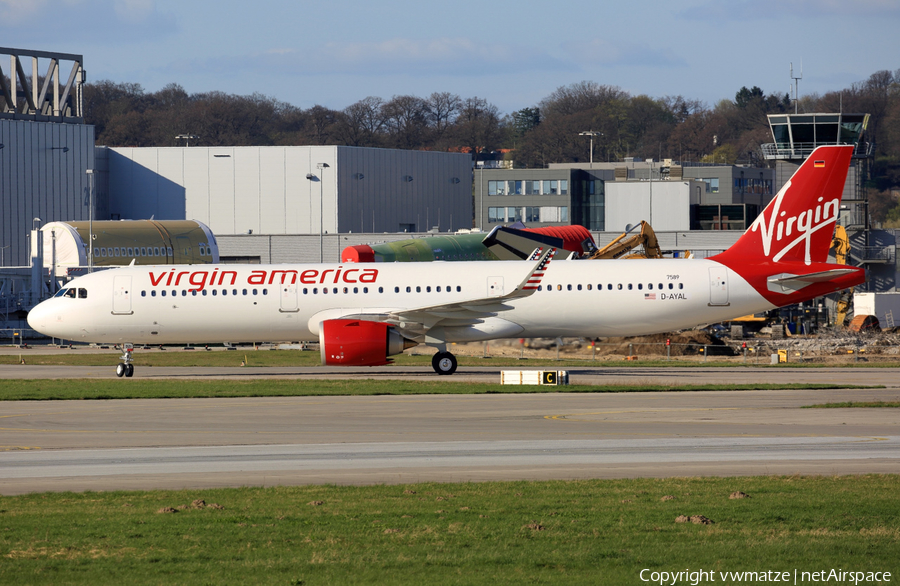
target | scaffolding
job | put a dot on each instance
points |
(41, 97)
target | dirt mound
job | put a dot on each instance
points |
(695, 519)
(687, 343)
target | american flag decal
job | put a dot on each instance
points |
(536, 254)
(649, 295)
(535, 279)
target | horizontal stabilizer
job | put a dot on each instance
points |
(788, 283)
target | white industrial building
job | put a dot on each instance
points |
(666, 205)
(293, 189)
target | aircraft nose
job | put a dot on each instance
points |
(38, 317)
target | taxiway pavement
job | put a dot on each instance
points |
(198, 443)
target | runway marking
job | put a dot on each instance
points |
(17, 448)
(568, 417)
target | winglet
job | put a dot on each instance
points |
(531, 282)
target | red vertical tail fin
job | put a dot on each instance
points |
(798, 224)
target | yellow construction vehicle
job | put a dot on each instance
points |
(841, 246)
(622, 245)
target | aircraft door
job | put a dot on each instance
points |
(494, 286)
(289, 301)
(718, 286)
(184, 250)
(122, 296)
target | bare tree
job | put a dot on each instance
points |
(361, 123)
(406, 121)
(443, 108)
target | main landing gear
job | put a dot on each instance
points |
(444, 363)
(126, 368)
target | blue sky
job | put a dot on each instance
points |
(512, 53)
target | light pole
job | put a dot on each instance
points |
(321, 167)
(592, 134)
(651, 192)
(311, 177)
(187, 138)
(90, 174)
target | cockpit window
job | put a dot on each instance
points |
(70, 293)
(82, 293)
(61, 292)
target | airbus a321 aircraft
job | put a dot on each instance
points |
(363, 313)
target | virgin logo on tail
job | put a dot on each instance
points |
(779, 226)
(797, 224)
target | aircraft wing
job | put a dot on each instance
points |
(472, 311)
(419, 320)
(511, 244)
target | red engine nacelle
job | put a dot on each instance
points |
(355, 342)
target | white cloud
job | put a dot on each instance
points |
(608, 53)
(104, 22)
(779, 9)
(134, 11)
(17, 11)
(398, 56)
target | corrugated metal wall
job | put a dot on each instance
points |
(42, 175)
(382, 189)
(236, 190)
(629, 203)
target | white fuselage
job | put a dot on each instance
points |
(248, 303)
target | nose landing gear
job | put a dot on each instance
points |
(126, 368)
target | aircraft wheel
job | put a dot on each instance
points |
(129, 370)
(121, 369)
(444, 363)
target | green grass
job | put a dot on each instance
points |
(558, 532)
(113, 388)
(894, 404)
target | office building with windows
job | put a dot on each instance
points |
(540, 197)
(600, 196)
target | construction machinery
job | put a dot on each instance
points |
(625, 244)
(841, 245)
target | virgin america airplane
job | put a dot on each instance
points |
(362, 314)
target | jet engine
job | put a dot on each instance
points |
(355, 342)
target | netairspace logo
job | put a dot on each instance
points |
(695, 577)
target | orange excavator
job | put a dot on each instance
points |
(625, 244)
